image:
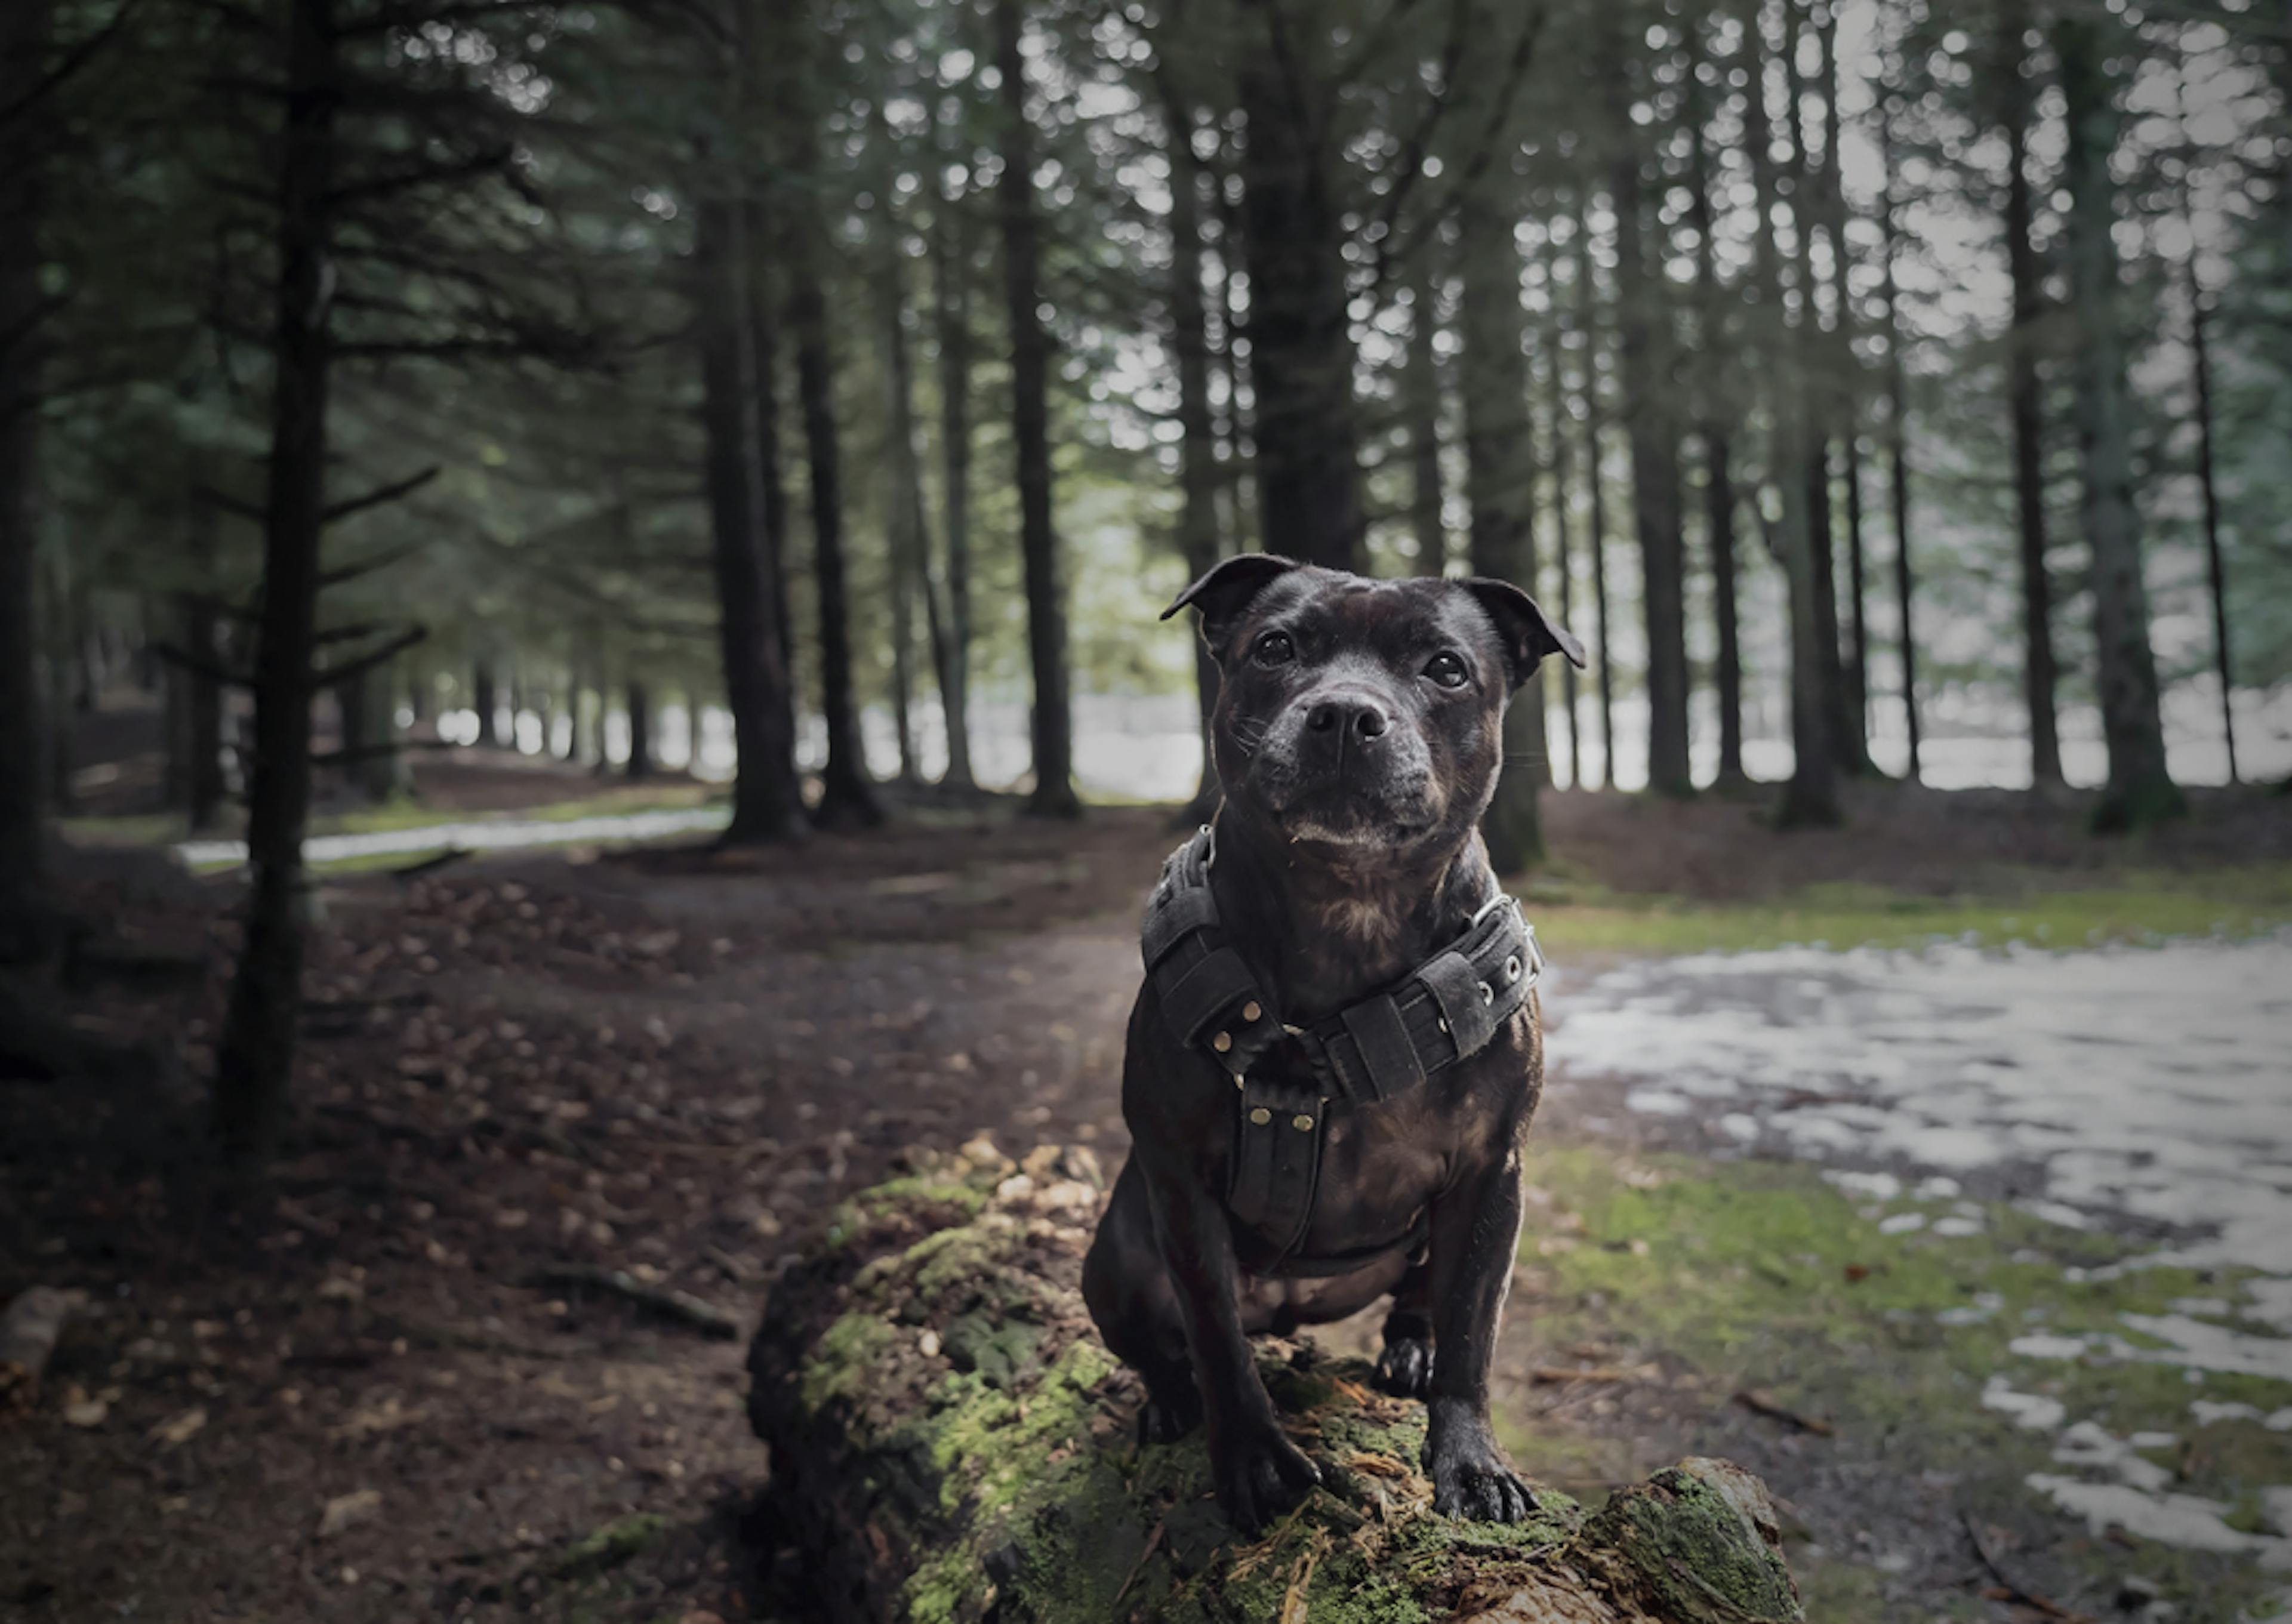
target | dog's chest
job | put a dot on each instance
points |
(1317, 1186)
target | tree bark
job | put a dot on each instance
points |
(1189, 344)
(907, 531)
(1301, 349)
(951, 299)
(847, 798)
(2024, 390)
(1648, 369)
(1898, 434)
(949, 1440)
(487, 701)
(2139, 792)
(1810, 797)
(1718, 408)
(1819, 402)
(1031, 432)
(1845, 395)
(639, 710)
(1421, 395)
(2215, 570)
(767, 794)
(255, 1056)
(1589, 320)
(1500, 484)
(27, 903)
(1563, 497)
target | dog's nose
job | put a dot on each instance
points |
(1363, 719)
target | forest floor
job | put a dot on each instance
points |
(365, 1395)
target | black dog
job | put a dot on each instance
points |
(1302, 1145)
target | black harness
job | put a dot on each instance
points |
(1446, 1010)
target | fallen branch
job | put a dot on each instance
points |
(1760, 1404)
(1561, 1373)
(429, 865)
(666, 1302)
(2008, 1589)
(28, 1332)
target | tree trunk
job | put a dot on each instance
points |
(767, 794)
(906, 531)
(1189, 344)
(2216, 574)
(1594, 474)
(1897, 433)
(1500, 485)
(771, 513)
(1229, 353)
(1811, 798)
(2024, 391)
(639, 711)
(1301, 349)
(27, 906)
(1715, 400)
(1421, 396)
(1845, 393)
(1031, 432)
(487, 701)
(951, 296)
(256, 1058)
(949, 1440)
(2140, 792)
(1858, 621)
(1563, 495)
(847, 798)
(1819, 404)
(1648, 365)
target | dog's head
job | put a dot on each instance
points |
(1357, 713)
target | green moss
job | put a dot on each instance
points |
(610, 1546)
(1692, 1538)
(844, 1362)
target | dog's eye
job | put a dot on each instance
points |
(1275, 649)
(1447, 670)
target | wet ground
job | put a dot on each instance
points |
(2130, 1107)
(1938, 1241)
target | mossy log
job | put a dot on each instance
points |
(951, 1444)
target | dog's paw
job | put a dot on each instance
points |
(1405, 1368)
(1166, 1420)
(1470, 1479)
(1260, 1475)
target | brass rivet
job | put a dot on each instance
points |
(1303, 1124)
(1222, 1042)
(1239, 1081)
(1261, 1116)
(1252, 1010)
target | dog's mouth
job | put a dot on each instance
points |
(1335, 817)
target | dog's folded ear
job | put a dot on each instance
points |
(1225, 593)
(1529, 633)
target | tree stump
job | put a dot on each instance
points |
(950, 1443)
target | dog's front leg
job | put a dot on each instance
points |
(1475, 1233)
(1260, 1473)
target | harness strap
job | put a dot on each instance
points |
(1447, 1010)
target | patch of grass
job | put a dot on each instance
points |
(2143, 905)
(1761, 1275)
